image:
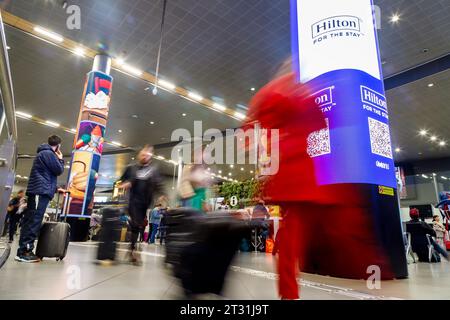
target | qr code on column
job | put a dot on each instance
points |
(380, 138)
(319, 142)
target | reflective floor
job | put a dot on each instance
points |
(252, 276)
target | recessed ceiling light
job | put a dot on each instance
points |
(23, 115)
(251, 171)
(231, 165)
(219, 107)
(423, 132)
(242, 169)
(151, 122)
(253, 89)
(431, 85)
(239, 115)
(420, 153)
(433, 138)
(395, 18)
(220, 171)
(79, 52)
(166, 84)
(442, 143)
(397, 150)
(134, 116)
(230, 174)
(49, 34)
(120, 61)
(184, 114)
(120, 131)
(209, 169)
(52, 124)
(195, 96)
(130, 69)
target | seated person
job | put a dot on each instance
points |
(419, 231)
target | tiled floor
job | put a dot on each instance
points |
(252, 276)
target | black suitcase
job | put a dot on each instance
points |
(180, 225)
(111, 227)
(210, 249)
(54, 236)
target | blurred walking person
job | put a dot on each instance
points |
(307, 242)
(155, 219)
(163, 224)
(195, 181)
(143, 182)
(14, 214)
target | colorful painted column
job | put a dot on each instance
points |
(335, 49)
(88, 143)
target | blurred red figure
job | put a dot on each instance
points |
(326, 229)
(285, 105)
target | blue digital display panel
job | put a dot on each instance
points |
(335, 52)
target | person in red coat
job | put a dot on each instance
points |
(325, 228)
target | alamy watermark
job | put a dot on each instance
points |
(254, 145)
(374, 280)
(73, 21)
(73, 277)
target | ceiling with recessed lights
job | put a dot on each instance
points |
(218, 49)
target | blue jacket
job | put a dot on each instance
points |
(46, 168)
(155, 216)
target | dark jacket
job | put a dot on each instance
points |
(419, 243)
(46, 168)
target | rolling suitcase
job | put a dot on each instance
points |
(109, 234)
(205, 260)
(54, 236)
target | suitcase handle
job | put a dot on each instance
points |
(64, 206)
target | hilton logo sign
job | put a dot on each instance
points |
(338, 26)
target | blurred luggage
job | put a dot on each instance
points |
(209, 245)
(179, 223)
(109, 234)
(54, 236)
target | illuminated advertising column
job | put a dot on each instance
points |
(88, 143)
(335, 49)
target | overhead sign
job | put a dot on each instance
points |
(335, 52)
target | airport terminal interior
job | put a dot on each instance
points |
(357, 183)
